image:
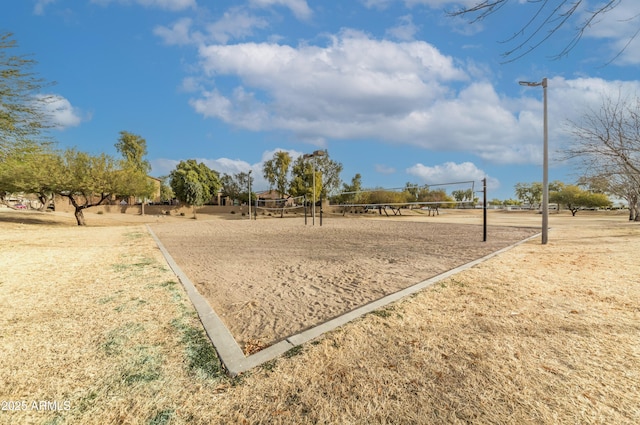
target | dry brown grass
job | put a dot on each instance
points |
(540, 334)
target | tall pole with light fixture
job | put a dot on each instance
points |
(545, 160)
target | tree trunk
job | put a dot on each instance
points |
(45, 201)
(80, 216)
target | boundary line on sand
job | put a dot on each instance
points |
(231, 354)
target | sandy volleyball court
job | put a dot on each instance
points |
(271, 278)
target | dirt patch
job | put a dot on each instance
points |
(269, 279)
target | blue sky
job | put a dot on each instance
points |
(395, 90)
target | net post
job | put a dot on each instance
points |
(320, 209)
(484, 209)
(305, 209)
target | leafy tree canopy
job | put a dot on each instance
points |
(236, 186)
(23, 114)
(276, 171)
(136, 168)
(574, 198)
(186, 177)
(133, 149)
(89, 180)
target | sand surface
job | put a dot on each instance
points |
(271, 278)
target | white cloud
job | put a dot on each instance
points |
(173, 5)
(384, 169)
(61, 113)
(235, 24)
(335, 90)
(405, 30)
(450, 172)
(358, 88)
(378, 4)
(177, 34)
(299, 8)
(226, 165)
(40, 5)
(162, 166)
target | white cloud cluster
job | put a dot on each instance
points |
(447, 172)
(354, 87)
(173, 5)
(40, 5)
(61, 113)
(358, 87)
(299, 8)
(405, 30)
(451, 172)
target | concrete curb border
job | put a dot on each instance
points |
(228, 349)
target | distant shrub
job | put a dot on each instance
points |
(100, 212)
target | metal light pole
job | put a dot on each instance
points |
(314, 155)
(545, 161)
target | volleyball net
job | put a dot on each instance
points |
(280, 205)
(429, 197)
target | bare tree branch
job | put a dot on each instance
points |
(548, 18)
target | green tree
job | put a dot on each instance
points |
(327, 176)
(382, 196)
(133, 149)
(188, 176)
(276, 171)
(301, 183)
(194, 194)
(574, 198)
(32, 172)
(529, 193)
(89, 180)
(352, 191)
(236, 186)
(466, 195)
(436, 198)
(166, 193)
(329, 171)
(22, 113)
(23, 116)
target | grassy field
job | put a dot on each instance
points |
(95, 329)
